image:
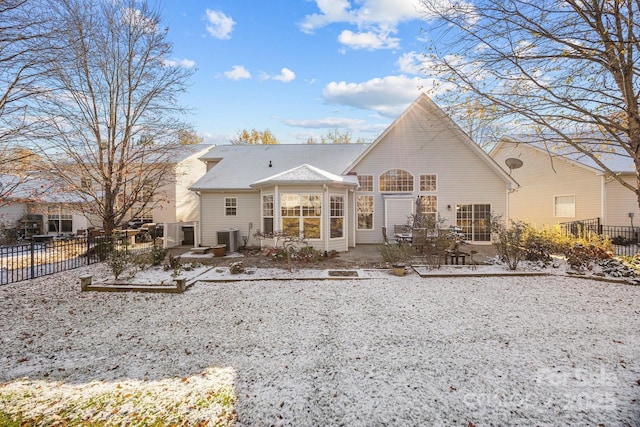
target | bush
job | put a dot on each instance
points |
(119, 261)
(508, 241)
(395, 254)
(582, 255)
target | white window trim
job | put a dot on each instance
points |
(555, 205)
(373, 213)
(225, 206)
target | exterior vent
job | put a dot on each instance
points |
(231, 238)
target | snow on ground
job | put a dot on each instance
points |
(384, 350)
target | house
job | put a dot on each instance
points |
(37, 205)
(559, 185)
(173, 201)
(340, 195)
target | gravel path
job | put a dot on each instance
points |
(385, 351)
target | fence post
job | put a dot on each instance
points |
(33, 259)
(88, 248)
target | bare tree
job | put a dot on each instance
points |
(254, 137)
(113, 111)
(335, 136)
(564, 71)
(23, 39)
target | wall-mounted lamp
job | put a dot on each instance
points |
(270, 165)
(448, 207)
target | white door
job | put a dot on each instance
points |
(397, 210)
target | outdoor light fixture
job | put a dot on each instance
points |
(449, 207)
(270, 165)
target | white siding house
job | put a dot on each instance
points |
(341, 195)
(559, 187)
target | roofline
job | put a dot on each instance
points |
(508, 140)
(488, 160)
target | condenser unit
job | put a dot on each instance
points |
(231, 238)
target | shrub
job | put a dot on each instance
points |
(582, 255)
(236, 267)
(395, 254)
(307, 254)
(158, 254)
(119, 261)
(508, 241)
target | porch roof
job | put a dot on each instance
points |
(306, 174)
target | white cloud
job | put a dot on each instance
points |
(411, 63)
(388, 96)
(371, 12)
(185, 63)
(219, 25)
(326, 123)
(285, 76)
(237, 72)
(374, 20)
(368, 40)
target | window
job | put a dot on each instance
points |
(475, 221)
(230, 206)
(396, 180)
(428, 183)
(337, 216)
(267, 213)
(301, 214)
(564, 206)
(429, 209)
(60, 223)
(366, 182)
(364, 209)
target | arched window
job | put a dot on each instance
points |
(396, 180)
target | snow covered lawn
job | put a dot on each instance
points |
(546, 350)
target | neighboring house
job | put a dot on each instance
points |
(559, 185)
(174, 202)
(340, 195)
(36, 206)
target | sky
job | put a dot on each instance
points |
(299, 68)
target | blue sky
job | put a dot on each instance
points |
(297, 67)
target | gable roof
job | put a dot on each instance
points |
(426, 107)
(239, 166)
(306, 174)
(615, 160)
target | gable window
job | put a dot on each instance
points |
(366, 182)
(301, 214)
(564, 206)
(230, 206)
(428, 183)
(364, 209)
(396, 180)
(337, 216)
(267, 213)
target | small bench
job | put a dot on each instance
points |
(451, 257)
(201, 250)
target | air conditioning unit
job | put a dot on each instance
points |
(231, 238)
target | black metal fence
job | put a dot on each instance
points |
(625, 239)
(40, 258)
